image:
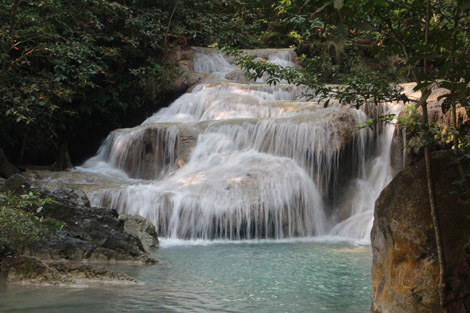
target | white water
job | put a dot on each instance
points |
(247, 161)
(367, 187)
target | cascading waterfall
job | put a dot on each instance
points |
(367, 187)
(240, 160)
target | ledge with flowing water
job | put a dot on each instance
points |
(233, 159)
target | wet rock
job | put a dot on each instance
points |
(237, 76)
(397, 158)
(88, 233)
(31, 270)
(157, 148)
(405, 272)
(73, 196)
(142, 228)
(183, 58)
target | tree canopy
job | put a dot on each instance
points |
(71, 66)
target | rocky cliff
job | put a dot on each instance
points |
(405, 272)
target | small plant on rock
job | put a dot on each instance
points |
(22, 223)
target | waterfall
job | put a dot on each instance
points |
(366, 188)
(246, 160)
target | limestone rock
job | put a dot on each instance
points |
(92, 234)
(31, 270)
(74, 196)
(435, 106)
(142, 228)
(183, 57)
(156, 148)
(405, 272)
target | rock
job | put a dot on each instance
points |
(183, 58)
(88, 233)
(73, 196)
(142, 228)
(17, 184)
(397, 158)
(7, 169)
(405, 272)
(237, 76)
(2, 184)
(31, 270)
(435, 106)
(157, 148)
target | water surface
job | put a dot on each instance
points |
(303, 275)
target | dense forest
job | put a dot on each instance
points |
(72, 71)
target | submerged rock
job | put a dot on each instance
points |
(141, 228)
(405, 273)
(31, 270)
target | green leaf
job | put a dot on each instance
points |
(380, 2)
(444, 69)
(465, 7)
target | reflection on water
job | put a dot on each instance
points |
(262, 276)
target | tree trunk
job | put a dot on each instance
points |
(169, 24)
(63, 159)
(435, 221)
(430, 183)
(456, 142)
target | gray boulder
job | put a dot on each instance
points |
(73, 196)
(88, 233)
(142, 228)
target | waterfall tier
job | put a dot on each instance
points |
(237, 160)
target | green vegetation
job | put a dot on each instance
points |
(71, 67)
(22, 222)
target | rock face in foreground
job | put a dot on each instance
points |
(405, 274)
(89, 234)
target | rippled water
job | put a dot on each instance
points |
(304, 275)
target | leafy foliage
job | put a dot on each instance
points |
(358, 87)
(21, 221)
(66, 66)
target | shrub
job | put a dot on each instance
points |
(22, 223)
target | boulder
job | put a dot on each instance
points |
(152, 150)
(7, 169)
(31, 270)
(141, 228)
(17, 184)
(405, 273)
(88, 234)
(72, 196)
